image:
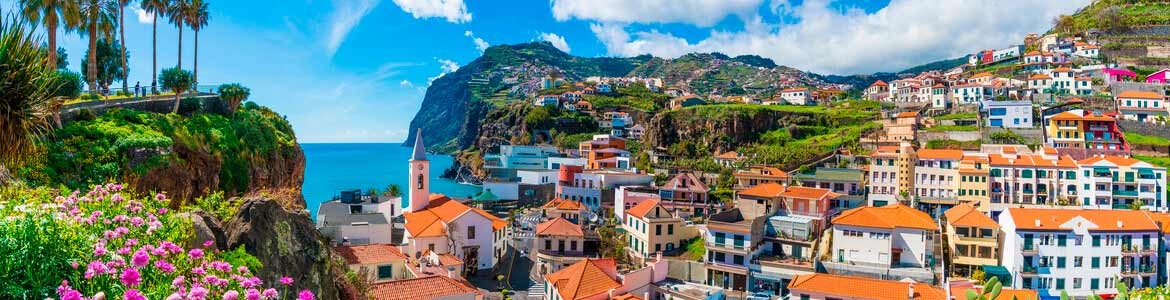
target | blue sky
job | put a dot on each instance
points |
(356, 70)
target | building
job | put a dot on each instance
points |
(438, 224)
(1020, 177)
(687, 196)
(973, 171)
(637, 132)
(1007, 114)
(797, 96)
(1160, 77)
(1080, 129)
(878, 91)
(732, 239)
(559, 243)
(971, 93)
(847, 183)
(888, 242)
(759, 174)
(792, 229)
(891, 174)
(1086, 50)
(376, 262)
(1079, 251)
(511, 159)
(547, 100)
(605, 152)
(429, 287)
(568, 209)
(598, 279)
(1109, 182)
(730, 159)
(827, 287)
(1141, 106)
(973, 239)
(936, 179)
(653, 228)
(357, 219)
(595, 188)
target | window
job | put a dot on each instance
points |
(1096, 241)
(657, 247)
(431, 247)
(471, 232)
(1078, 262)
(657, 229)
(1060, 262)
(670, 229)
(572, 245)
(1060, 283)
(548, 243)
(738, 259)
(385, 271)
(420, 182)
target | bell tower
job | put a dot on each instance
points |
(420, 181)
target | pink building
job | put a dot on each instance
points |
(1159, 77)
(1112, 75)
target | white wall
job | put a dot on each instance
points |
(537, 177)
(483, 238)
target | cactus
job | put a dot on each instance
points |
(1063, 295)
(1122, 291)
(991, 290)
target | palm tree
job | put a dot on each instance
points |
(26, 89)
(234, 94)
(98, 19)
(51, 14)
(155, 8)
(177, 13)
(178, 81)
(122, 39)
(197, 18)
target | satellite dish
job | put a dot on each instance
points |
(593, 218)
(417, 255)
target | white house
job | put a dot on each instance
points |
(1141, 106)
(1008, 114)
(356, 219)
(1086, 50)
(796, 96)
(1109, 181)
(872, 240)
(1079, 251)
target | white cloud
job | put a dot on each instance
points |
(454, 11)
(844, 41)
(697, 12)
(346, 14)
(143, 16)
(556, 40)
(480, 44)
(405, 83)
(447, 66)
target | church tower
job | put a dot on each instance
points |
(420, 181)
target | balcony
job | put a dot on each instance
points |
(741, 248)
(1029, 271)
(1121, 193)
(1138, 271)
(1029, 249)
(1098, 128)
(786, 263)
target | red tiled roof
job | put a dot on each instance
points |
(908, 114)
(559, 227)
(1139, 95)
(370, 254)
(1114, 159)
(1039, 76)
(850, 287)
(564, 204)
(685, 182)
(764, 190)
(888, 217)
(586, 278)
(640, 210)
(879, 83)
(807, 193)
(1105, 220)
(967, 215)
(429, 287)
(428, 222)
(940, 154)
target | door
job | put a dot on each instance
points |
(796, 251)
(470, 260)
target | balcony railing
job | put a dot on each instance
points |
(1029, 248)
(1125, 193)
(1029, 270)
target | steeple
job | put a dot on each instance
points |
(420, 152)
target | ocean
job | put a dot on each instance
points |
(330, 168)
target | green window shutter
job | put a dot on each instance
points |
(1096, 262)
(1061, 240)
(1060, 262)
(1096, 241)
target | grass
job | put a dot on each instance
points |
(1141, 139)
(695, 250)
(109, 98)
(940, 128)
(953, 144)
(957, 116)
(1155, 160)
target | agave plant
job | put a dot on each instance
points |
(27, 87)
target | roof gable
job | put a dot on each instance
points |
(887, 217)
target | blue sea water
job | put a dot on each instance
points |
(330, 168)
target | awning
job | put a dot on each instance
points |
(1005, 277)
(1145, 171)
(793, 219)
(485, 195)
(1101, 170)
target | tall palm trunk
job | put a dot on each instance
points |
(180, 67)
(92, 74)
(122, 40)
(52, 29)
(154, 56)
(196, 76)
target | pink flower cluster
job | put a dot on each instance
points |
(143, 260)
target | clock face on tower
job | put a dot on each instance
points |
(420, 167)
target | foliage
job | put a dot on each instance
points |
(952, 144)
(1007, 137)
(539, 117)
(176, 80)
(117, 244)
(790, 153)
(234, 94)
(217, 205)
(695, 250)
(109, 63)
(392, 190)
(957, 116)
(573, 140)
(1141, 139)
(1116, 16)
(940, 128)
(68, 85)
(26, 91)
(991, 290)
(636, 96)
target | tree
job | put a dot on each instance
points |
(1112, 20)
(178, 12)
(109, 66)
(393, 190)
(99, 22)
(154, 8)
(1063, 23)
(68, 86)
(122, 40)
(26, 88)
(176, 80)
(52, 14)
(234, 94)
(62, 59)
(197, 17)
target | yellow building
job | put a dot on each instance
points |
(654, 229)
(1066, 130)
(973, 182)
(972, 237)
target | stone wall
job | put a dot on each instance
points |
(189, 105)
(1145, 128)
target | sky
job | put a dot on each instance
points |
(357, 70)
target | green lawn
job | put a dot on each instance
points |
(952, 144)
(957, 116)
(1141, 139)
(1155, 160)
(939, 128)
(695, 250)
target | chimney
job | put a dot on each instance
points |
(1120, 224)
(911, 291)
(1037, 222)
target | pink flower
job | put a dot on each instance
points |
(305, 295)
(133, 294)
(221, 266)
(73, 264)
(198, 271)
(286, 280)
(252, 294)
(208, 243)
(250, 282)
(94, 268)
(130, 277)
(269, 293)
(242, 269)
(175, 296)
(195, 253)
(229, 295)
(124, 251)
(197, 293)
(160, 197)
(162, 210)
(66, 292)
(178, 281)
(99, 250)
(164, 266)
(141, 259)
(137, 221)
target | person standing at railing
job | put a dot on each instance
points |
(137, 88)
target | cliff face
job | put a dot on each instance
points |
(722, 129)
(195, 173)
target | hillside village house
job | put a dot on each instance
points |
(438, 224)
(1119, 75)
(595, 188)
(972, 238)
(1020, 177)
(848, 183)
(973, 171)
(597, 279)
(1160, 77)
(357, 219)
(791, 232)
(891, 172)
(759, 174)
(874, 241)
(1087, 50)
(1080, 129)
(605, 152)
(567, 209)
(652, 228)
(730, 159)
(878, 91)
(686, 195)
(797, 96)
(1079, 251)
(936, 179)
(966, 94)
(1007, 114)
(1120, 182)
(559, 243)
(733, 241)
(377, 262)
(1141, 106)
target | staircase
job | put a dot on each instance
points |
(536, 291)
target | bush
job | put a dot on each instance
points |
(68, 84)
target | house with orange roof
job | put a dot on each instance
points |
(653, 228)
(973, 171)
(378, 262)
(429, 287)
(936, 178)
(877, 91)
(821, 286)
(874, 241)
(759, 174)
(1141, 106)
(438, 224)
(730, 159)
(559, 243)
(891, 174)
(598, 279)
(972, 237)
(1083, 49)
(797, 96)
(1081, 129)
(1081, 251)
(1020, 177)
(1110, 181)
(687, 196)
(567, 209)
(791, 233)
(971, 93)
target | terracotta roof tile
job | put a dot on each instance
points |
(640, 210)
(429, 287)
(888, 217)
(1039, 76)
(729, 155)
(586, 278)
(565, 204)
(879, 83)
(807, 193)
(863, 288)
(370, 254)
(627, 297)
(1105, 220)
(559, 227)
(1139, 95)
(940, 154)
(1162, 219)
(967, 215)
(428, 222)
(765, 190)
(908, 114)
